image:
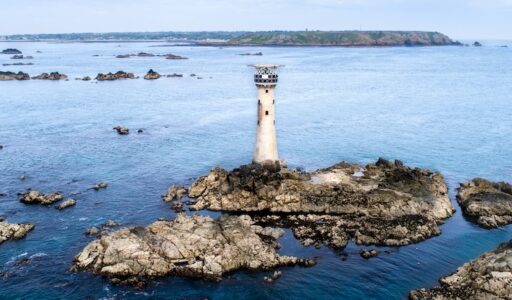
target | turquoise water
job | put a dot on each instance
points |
(445, 108)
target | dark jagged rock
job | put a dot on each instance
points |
(21, 57)
(273, 277)
(196, 246)
(173, 56)
(86, 78)
(51, 76)
(487, 277)
(114, 76)
(174, 193)
(4, 76)
(34, 197)
(18, 64)
(11, 51)
(477, 44)
(152, 75)
(251, 54)
(385, 203)
(122, 130)
(490, 203)
(174, 75)
(9, 231)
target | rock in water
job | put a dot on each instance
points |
(11, 51)
(51, 76)
(115, 76)
(10, 231)
(174, 193)
(122, 130)
(487, 277)
(101, 185)
(66, 204)
(32, 197)
(4, 76)
(385, 203)
(489, 202)
(367, 254)
(196, 246)
(151, 75)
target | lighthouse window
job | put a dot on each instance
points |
(273, 101)
(266, 91)
(266, 113)
(259, 103)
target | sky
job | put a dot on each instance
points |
(459, 19)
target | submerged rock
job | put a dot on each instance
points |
(174, 193)
(114, 76)
(68, 203)
(173, 75)
(487, 277)
(173, 56)
(251, 54)
(21, 57)
(33, 197)
(122, 130)
(490, 203)
(9, 231)
(18, 64)
(152, 75)
(4, 76)
(367, 254)
(385, 203)
(51, 76)
(196, 246)
(477, 44)
(11, 51)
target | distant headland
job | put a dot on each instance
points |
(257, 38)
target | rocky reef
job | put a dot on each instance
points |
(11, 51)
(4, 76)
(34, 197)
(385, 203)
(489, 203)
(18, 64)
(196, 246)
(122, 130)
(115, 76)
(51, 76)
(144, 54)
(9, 231)
(487, 277)
(21, 57)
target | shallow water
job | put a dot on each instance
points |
(445, 108)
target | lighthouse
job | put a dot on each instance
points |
(265, 78)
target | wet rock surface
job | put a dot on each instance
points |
(115, 76)
(51, 76)
(5, 76)
(487, 277)
(21, 57)
(121, 130)
(174, 193)
(385, 203)
(18, 64)
(152, 75)
(68, 203)
(10, 231)
(196, 246)
(489, 203)
(99, 186)
(35, 197)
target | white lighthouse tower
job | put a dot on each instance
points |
(265, 78)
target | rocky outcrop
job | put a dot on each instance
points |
(477, 44)
(114, 76)
(11, 51)
(51, 76)
(487, 277)
(99, 186)
(21, 57)
(4, 76)
(174, 193)
(251, 54)
(196, 246)
(9, 231)
(122, 130)
(68, 203)
(489, 203)
(173, 75)
(18, 64)
(144, 54)
(151, 75)
(35, 197)
(173, 56)
(386, 203)
(367, 254)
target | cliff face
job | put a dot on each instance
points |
(343, 38)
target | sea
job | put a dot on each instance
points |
(447, 109)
